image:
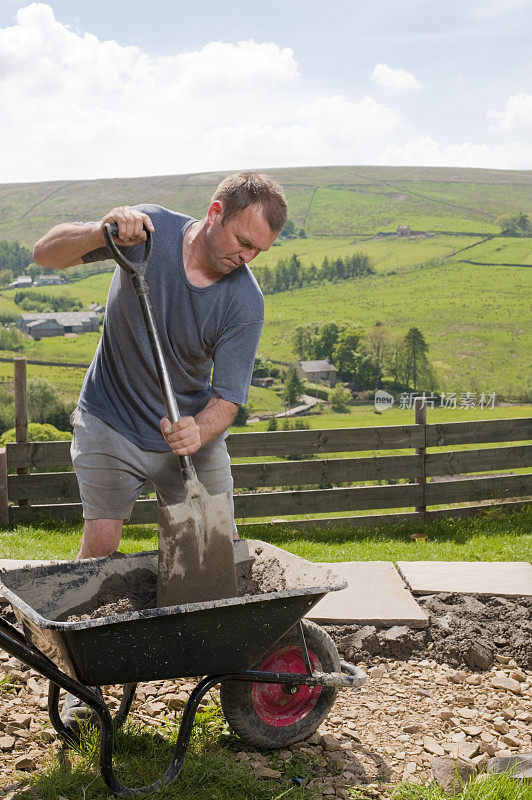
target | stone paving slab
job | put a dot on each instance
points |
(376, 595)
(504, 578)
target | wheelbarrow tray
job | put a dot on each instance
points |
(213, 637)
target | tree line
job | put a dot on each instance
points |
(41, 302)
(371, 359)
(514, 223)
(292, 274)
(45, 405)
(14, 260)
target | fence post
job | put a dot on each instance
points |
(420, 409)
(21, 412)
(4, 512)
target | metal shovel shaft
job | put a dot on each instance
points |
(142, 289)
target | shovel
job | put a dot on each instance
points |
(196, 560)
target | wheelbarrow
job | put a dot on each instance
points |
(278, 674)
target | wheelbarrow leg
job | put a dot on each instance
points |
(64, 732)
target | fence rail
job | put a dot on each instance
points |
(433, 479)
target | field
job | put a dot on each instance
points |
(475, 318)
(501, 250)
(323, 200)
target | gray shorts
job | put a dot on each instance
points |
(112, 471)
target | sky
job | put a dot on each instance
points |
(92, 89)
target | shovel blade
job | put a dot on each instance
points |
(196, 559)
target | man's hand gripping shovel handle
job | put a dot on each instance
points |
(137, 270)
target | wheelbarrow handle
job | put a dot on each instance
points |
(110, 229)
(137, 270)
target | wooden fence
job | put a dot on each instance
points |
(432, 479)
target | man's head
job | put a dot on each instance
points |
(247, 213)
(237, 192)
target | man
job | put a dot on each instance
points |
(209, 311)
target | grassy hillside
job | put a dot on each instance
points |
(475, 318)
(324, 200)
(476, 321)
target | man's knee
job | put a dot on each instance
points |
(101, 537)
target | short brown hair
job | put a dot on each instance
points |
(244, 189)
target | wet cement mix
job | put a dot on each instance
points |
(137, 590)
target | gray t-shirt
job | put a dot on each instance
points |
(211, 329)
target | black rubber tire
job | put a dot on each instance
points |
(240, 713)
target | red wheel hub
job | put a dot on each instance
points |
(276, 703)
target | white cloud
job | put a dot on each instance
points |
(391, 78)
(425, 151)
(72, 106)
(488, 9)
(517, 116)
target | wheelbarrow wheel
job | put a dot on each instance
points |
(272, 715)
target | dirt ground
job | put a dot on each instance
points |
(463, 631)
(427, 694)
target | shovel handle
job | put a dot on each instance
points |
(140, 284)
(110, 229)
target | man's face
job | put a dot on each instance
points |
(237, 241)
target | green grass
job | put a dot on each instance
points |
(495, 535)
(492, 787)
(476, 320)
(211, 770)
(492, 536)
(500, 250)
(364, 416)
(323, 200)
(359, 209)
(387, 255)
(264, 400)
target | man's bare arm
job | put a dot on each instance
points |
(188, 434)
(66, 244)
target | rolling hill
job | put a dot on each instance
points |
(326, 201)
(462, 283)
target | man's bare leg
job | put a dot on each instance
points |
(101, 537)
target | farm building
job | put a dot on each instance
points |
(404, 230)
(317, 372)
(265, 383)
(97, 308)
(42, 324)
(21, 282)
(47, 280)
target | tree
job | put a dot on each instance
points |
(261, 368)
(396, 359)
(522, 222)
(242, 416)
(266, 281)
(513, 223)
(416, 355)
(304, 339)
(345, 349)
(33, 270)
(292, 387)
(377, 344)
(289, 230)
(339, 399)
(294, 272)
(326, 340)
(272, 424)
(42, 397)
